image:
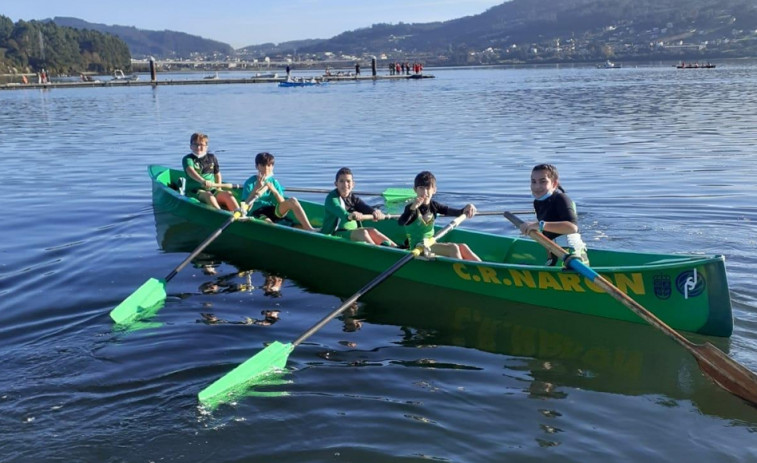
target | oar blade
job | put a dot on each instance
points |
(272, 358)
(726, 372)
(141, 302)
(398, 194)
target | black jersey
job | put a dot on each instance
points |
(427, 212)
(556, 208)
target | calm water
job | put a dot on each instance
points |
(658, 159)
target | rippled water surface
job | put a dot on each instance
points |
(658, 160)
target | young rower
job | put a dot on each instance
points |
(272, 205)
(344, 210)
(204, 175)
(555, 212)
(419, 216)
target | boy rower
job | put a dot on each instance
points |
(271, 204)
(204, 175)
(344, 210)
(419, 216)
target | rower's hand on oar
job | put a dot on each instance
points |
(358, 216)
(469, 210)
(243, 208)
(528, 227)
(378, 215)
(246, 205)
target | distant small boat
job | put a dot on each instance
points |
(118, 75)
(266, 75)
(212, 77)
(683, 65)
(608, 65)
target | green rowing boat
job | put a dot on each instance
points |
(688, 292)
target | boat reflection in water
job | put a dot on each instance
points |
(554, 351)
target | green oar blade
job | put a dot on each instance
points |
(398, 194)
(272, 358)
(139, 303)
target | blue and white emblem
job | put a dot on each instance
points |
(690, 283)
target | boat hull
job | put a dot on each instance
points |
(298, 83)
(687, 292)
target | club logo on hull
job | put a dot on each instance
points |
(690, 283)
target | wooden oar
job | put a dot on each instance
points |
(723, 370)
(390, 194)
(153, 291)
(524, 212)
(275, 355)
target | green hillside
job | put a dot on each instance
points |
(33, 46)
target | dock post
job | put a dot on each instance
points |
(153, 71)
(373, 66)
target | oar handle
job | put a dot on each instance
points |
(369, 217)
(325, 191)
(524, 211)
(486, 213)
(308, 190)
(376, 281)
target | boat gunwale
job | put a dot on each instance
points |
(714, 317)
(669, 262)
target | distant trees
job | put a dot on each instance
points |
(160, 44)
(32, 46)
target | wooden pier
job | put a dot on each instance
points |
(204, 81)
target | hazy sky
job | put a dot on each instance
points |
(248, 22)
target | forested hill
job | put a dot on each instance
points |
(34, 45)
(564, 30)
(517, 31)
(159, 44)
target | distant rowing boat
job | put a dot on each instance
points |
(609, 65)
(688, 292)
(300, 83)
(695, 66)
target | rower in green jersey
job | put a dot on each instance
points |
(271, 204)
(419, 216)
(344, 210)
(203, 174)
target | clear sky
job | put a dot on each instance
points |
(248, 22)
